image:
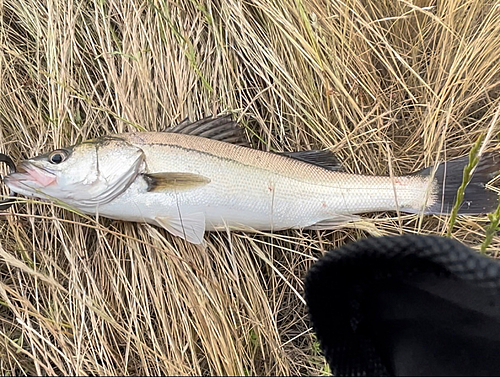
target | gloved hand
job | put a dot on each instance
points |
(406, 305)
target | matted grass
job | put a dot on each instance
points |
(390, 86)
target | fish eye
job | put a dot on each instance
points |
(58, 156)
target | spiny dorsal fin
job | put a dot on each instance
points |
(221, 128)
(324, 159)
(174, 181)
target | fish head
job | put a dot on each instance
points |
(84, 176)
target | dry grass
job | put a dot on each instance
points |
(375, 81)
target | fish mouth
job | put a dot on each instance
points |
(28, 174)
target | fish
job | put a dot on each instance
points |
(203, 176)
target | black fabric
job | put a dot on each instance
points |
(406, 305)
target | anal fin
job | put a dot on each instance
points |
(334, 222)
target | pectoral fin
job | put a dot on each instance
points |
(174, 181)
(189, 226)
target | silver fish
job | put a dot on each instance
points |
(197, 177)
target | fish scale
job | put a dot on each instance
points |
(258, 189)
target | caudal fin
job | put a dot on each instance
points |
(477, 198)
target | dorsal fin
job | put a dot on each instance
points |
(221, 128)
(324, 159)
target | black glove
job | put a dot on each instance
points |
(406, 305)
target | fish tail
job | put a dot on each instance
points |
(448, 178)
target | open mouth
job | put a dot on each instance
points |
(29, 173)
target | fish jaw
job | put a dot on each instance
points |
(29, 179)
